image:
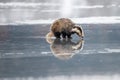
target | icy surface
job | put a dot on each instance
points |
(26, 54)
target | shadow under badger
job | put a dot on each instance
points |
(64, 28)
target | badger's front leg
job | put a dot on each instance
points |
(63, 34)
(69, 36)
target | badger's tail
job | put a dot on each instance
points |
(49, 37)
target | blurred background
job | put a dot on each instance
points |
(43, 11)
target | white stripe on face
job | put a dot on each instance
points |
(76, 31)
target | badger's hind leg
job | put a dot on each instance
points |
(57, 34)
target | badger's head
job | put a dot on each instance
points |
(78, 30)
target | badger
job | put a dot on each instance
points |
(64, 28)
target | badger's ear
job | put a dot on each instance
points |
(74, 26)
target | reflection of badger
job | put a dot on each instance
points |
(65, 49)
(64, 27)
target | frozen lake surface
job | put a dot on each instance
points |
(26, 55)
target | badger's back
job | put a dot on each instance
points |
(62, 24)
